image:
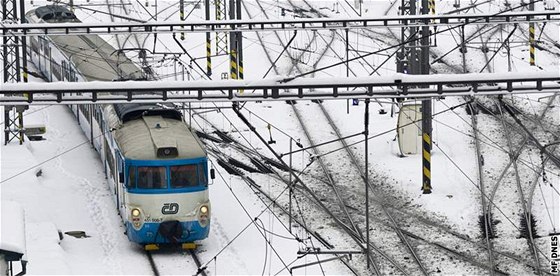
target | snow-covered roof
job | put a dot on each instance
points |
(12, 233)
(140, 139)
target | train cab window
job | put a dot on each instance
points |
(202, 175)
(151, 178)
(48, 16)
(131, 183)
(183, 176)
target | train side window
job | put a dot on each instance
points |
(131, 183)
(183, 176)
(151, 178)
(120, 166)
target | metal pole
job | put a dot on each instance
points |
(208, 41)
(233, 43)
(291, 188)
(182, 16)
(532, 37)
(366, 134)
(24, 61)
(426, 107)
(347, 71)
(239, 40)
(239, 47)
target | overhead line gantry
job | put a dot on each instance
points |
(387, 87)
(253, 25)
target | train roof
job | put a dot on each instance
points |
(144, 138)
(54, 13)
(142, 131)
(94, 57)
(131, 111)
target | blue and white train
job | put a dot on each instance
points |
(155, 165)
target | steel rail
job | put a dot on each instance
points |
(330, 181)
(359, 169)
(329, 177)
(526, 215)
(356, 234)
(152, 263)
(307, 193)
(486, 216)
(198, 263)
(249, 152)
(276, 25)
(219, 154)
(514, 154)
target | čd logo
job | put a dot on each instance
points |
(170, 208)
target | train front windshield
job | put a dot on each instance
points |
(183, 176)
(168, 177)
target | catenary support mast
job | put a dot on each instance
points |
(426, 105)
(13, 115)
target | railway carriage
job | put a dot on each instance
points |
(155, 165)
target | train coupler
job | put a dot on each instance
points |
(151, 247)
(188, 246)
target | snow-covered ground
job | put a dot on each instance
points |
(61, 184)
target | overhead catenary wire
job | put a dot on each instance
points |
(87, 142)
(252, 222)
(489, 198)
(412, 39)
(273, 201)
(376, 135)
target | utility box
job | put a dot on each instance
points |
(409, 128)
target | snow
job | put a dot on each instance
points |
(280, 82)
(12, 234)
(61, 184)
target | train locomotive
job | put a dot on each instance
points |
(156, 167)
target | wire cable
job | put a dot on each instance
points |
(405, 42)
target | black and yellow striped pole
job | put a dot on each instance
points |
(182, 16)
(208, 55)
(239, 47)
(432, 6)
(426, 164)
(532, 37)
(208, 41)
(233, 64)
(532, 44)
(427, 7)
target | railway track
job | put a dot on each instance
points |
(161, 260)
(489, 247)
(326, 173)
(359, 171)
(526, 225)
(411, 234)
(432, 233)
(487, 223)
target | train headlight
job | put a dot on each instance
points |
(135, 212)
(204, 209)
